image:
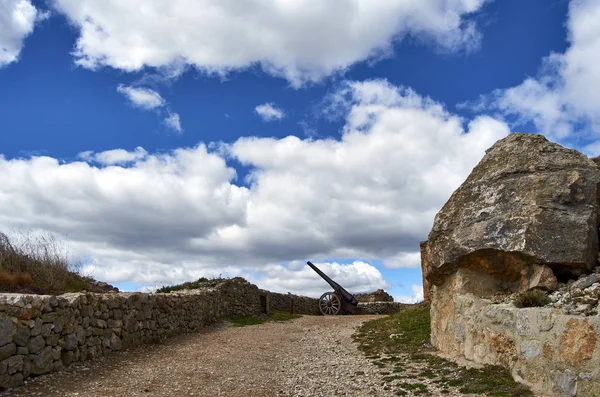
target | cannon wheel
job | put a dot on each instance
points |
(330, 304)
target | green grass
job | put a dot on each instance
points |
(404, 337)
(274, 315)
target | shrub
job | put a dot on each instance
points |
(532, 298)
(200, 283)
(38, 263)
(9, 280)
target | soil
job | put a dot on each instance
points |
(309, 356)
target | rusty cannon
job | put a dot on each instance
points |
(338, 301)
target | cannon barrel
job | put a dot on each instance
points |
(345, 295)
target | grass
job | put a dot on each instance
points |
(401, 339)
(188, 285)
(39, 264)
(532, 298)
(274, 315)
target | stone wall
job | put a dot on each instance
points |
(382, 307)
(39, 333)
(283, 302)
(377, 296)
(554, 353)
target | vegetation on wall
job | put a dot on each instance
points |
(187, 285)
(39, 264)
(533, 298)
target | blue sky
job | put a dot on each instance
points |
(184, 139)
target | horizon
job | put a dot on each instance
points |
(179, 140)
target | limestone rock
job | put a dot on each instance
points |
(538, 276)
(6, 329)
(426, 269)
(43, 362)
(21, 336)
(528, 204)
(585, 282)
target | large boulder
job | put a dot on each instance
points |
(526, 215)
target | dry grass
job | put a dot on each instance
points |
(38, 264)
(532, 298)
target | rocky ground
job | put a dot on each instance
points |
(577, 297)
(310, 356)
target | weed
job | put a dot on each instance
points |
(532, 298)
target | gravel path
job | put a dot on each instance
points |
(310, 356)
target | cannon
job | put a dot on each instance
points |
(338, 301)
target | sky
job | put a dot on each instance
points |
(167, 140)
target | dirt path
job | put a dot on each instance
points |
(310, 356)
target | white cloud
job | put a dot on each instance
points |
(148, 99)
(298, 278)
(562, 100)
(416, 297)
(115, 156)
(302, 41)
(144, 98)
(172, 121)
(17, 20)
(171, 217)
(269, 112)
(404, 259)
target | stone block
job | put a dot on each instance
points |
(7, 350)
(36, 344)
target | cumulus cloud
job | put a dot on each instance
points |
(298, 278)
(416, 296)
(17, 20)
(173, 122)
(561, 100)
(171, 217)
(269, 112)
(144, 98)
(115, 156)
(148, 99)
(301, 41)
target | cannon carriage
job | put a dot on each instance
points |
(339, 301)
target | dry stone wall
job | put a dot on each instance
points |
(382, 307)
(283, 302)
(377, 296)
(556, 354)
(40, 334)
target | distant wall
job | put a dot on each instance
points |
(306, 305)
(382, 307)
(40, 334)
(302, 304)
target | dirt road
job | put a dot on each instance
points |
(310, 356)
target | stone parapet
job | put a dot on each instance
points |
(553, 353)
(40, 334)
(382, 307)
(301, 304)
